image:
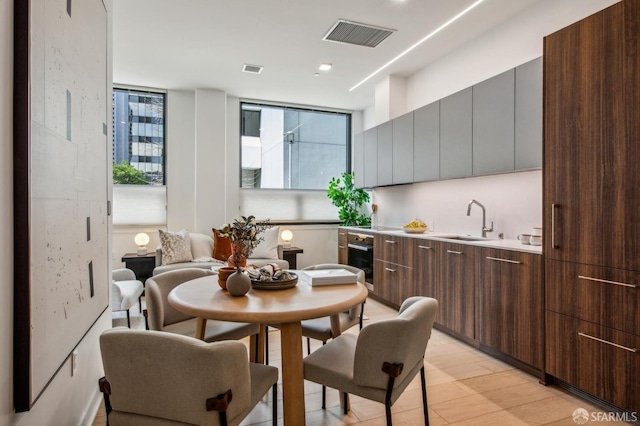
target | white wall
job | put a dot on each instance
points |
(512, 201)
(517, 41)
(68, 400)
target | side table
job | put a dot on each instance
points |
(142, 265)
(290, 254)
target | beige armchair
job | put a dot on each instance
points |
(162, 316)
(381, 361)
(152, 377)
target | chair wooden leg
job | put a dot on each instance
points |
(393, 370)
(424, 397)
(128, 319)
(266, 345)
(274, 410)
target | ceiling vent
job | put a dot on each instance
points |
(356, 33)
(253, 69)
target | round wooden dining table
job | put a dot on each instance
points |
(204, 299)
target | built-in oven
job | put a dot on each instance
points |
(360, 254)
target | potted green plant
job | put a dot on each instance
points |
(349, 200)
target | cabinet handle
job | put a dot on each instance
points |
(608, 342)
(607, 281)
(390, 241)
(503, 260)
(554, 206)
(424, 247)
(342, 233)
(454, 252)
(341, 247)
(389, 269)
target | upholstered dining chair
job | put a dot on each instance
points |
(381, 361)
(320, 328)
(154, 377)
(126, 289)
(162, 316)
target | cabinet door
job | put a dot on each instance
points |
(385, 153)
(425, 267)
(393, 248)
(591, 114)
(599, 360)
(607, 296)
(493, 124)
(371, 158)
(358, 160)
(511, 304)
(402, 157)
(456, 288)
(528, 115)
(456, 135)
(388, 279)
(343, 251)
(426, 143)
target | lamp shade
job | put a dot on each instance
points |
(142, 240)
(286, 236)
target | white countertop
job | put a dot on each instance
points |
(514, 245)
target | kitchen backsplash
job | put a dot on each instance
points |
(513, 202)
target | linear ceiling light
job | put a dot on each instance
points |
(325, 67)
(434, 32)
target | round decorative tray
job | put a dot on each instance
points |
(414, 230)
(275, 285)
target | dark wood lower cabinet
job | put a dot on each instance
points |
(599, 360)
(426, 267)
(393, 282)
(455, 289)
(511, 304)
(343, 251)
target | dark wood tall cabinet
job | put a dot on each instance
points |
(591, 202)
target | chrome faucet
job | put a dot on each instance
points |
(484, 218)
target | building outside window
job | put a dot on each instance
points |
(293, 148)
(139, 190)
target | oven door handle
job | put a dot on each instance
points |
(360, 247)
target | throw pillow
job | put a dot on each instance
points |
(176, 247)
(268, 248)
(201, 245)
(221, 246)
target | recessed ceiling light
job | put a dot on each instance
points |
(253, 69)
(316, 74)
(427, 37)
(325, 67)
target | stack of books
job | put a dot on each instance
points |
(321, 277)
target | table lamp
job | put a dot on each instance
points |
(286, 236)
(142, 240)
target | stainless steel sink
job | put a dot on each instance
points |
(467, 238)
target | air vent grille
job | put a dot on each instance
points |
(355, 33)
(253, 69)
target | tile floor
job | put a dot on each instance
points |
(464, 387)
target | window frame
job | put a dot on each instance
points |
(295, 107)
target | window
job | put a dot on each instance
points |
(139, 191)
(292, 148)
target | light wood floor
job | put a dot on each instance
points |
(464, 387)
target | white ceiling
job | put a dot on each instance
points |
(187, 44)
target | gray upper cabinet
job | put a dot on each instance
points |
(455, 135)
(528, 115)
(493, 124)
(385, 153)
(371, 158)
(358, 160)
(426, 143)
(403, 149)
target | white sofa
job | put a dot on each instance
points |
(202, 249)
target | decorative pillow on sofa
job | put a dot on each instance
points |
(201, 247)
(221, 246)
(176, 247)
(268, 248)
